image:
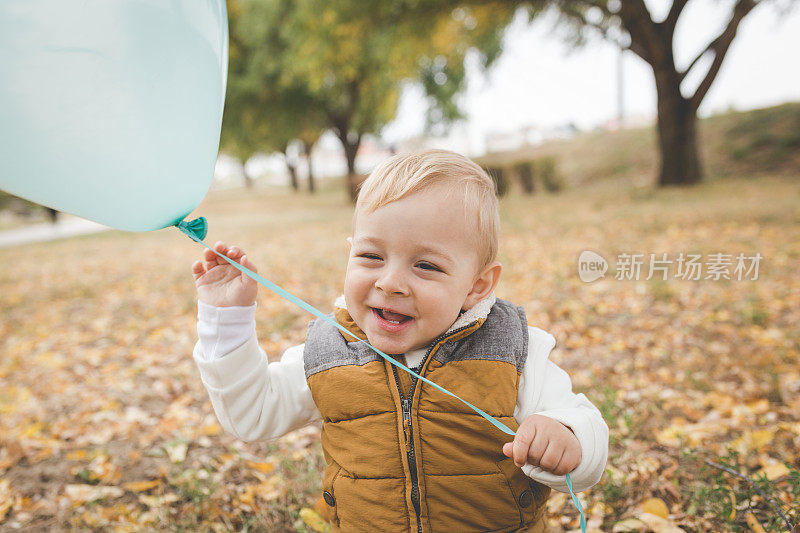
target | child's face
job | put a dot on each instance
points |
(417, 257)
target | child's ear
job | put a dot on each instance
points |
(484, 284)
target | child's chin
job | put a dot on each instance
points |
(388, 347)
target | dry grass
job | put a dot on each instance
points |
(97, 333)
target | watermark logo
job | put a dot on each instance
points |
(591, 266)
(693, 267)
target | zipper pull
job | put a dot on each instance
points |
(407, 422)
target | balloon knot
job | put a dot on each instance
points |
(196, 229)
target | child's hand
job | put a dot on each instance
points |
(547, 443)
(221, 284)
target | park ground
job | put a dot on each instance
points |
(105, 425)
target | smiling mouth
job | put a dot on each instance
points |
(389, 316)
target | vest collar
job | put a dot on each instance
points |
(479, 311)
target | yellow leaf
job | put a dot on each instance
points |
(733, 505)
(32, 430)
(313, 520)
(752, 521)
(209, 430)
(77, 455)
(248, 496)
(158, 501)
(227, 457)
(261, 467)
(753, 440)
(141, 486)
(656, 506)
(774, 471)
(5, 498)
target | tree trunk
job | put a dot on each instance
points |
(292, 173)
(524, 173)
(350, 142)
(307, 147)
(498, 175)
(677, 135)
(292, 170)
(248, 181)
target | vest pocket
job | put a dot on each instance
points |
(529, 496)
(328, 495)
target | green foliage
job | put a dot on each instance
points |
(614, 493)
(265, 108)
(297, 68)
(524, 171)
(552, 180)
(726, 498)
(764, 138)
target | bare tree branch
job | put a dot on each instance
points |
(685, 72)
(641, 28)
(673, 15)
(720, 47)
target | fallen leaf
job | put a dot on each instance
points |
(80, 494)
(752, 521)
(655, 506)
(658, 524)
(313, 520)
(630, 525)
(141, 486)
(177, 451)
(159, 500)
(774, 471)
(261, 467)
(5, 498)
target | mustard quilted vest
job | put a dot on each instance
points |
(402, 455)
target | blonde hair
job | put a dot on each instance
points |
(405, 174)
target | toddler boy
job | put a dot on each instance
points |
(402, 455)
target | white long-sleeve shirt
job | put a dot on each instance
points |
(257, 400)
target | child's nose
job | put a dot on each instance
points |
(392, 281)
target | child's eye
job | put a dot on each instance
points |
(369, 256)
(429, 266)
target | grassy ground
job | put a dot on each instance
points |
(104, 422)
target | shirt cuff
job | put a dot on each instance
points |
(223, 329)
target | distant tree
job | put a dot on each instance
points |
(300, 67)
(265, 111)
(308, 145)
(630, 24)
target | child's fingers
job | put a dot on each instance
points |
(245, 261)
(198, 270)
(508, 449)
(537, 449)
(522, 442)
(213, 259)
(552, 457)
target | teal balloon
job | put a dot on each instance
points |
(111, 109)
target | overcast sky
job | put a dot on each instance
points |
(539, 81)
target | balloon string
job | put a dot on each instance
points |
(196, 230)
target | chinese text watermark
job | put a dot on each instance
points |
(693, 267)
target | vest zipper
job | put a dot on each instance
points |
(410, 456)
(406, 405)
